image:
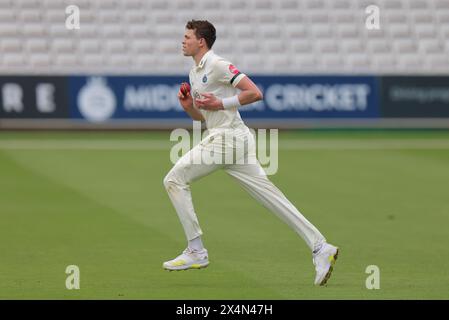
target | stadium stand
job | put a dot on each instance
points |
(288, 36)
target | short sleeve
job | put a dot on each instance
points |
(227, 73)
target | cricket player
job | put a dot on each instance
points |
(218, 90)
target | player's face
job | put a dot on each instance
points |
(190, 44)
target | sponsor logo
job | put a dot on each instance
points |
(317, 97)
(422, 96)
(233, 69)
(102, 99)
(151, 98)
(96, 101)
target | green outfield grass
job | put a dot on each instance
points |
(96, 200)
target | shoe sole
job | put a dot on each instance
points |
(333, 259)
(192, 266)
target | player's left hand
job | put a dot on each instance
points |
(209, 102)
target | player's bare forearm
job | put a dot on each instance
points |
(250, 92)
(250, 96)
(194, 113)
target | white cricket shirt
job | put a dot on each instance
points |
(217, 76)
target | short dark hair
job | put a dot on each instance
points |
(203, 29)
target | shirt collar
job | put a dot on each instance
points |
(204, 58)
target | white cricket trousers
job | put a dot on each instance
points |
(245, 169)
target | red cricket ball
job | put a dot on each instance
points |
(185, 88)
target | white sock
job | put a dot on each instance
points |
(196, 244)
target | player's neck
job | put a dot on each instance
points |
(197, 58)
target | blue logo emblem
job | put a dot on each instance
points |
(204, 79)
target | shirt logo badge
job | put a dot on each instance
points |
(233, 69)
(196, 95)
(204, 79)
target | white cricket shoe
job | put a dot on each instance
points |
(324, 261)
(189, 259)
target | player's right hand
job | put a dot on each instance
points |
(185, 99)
